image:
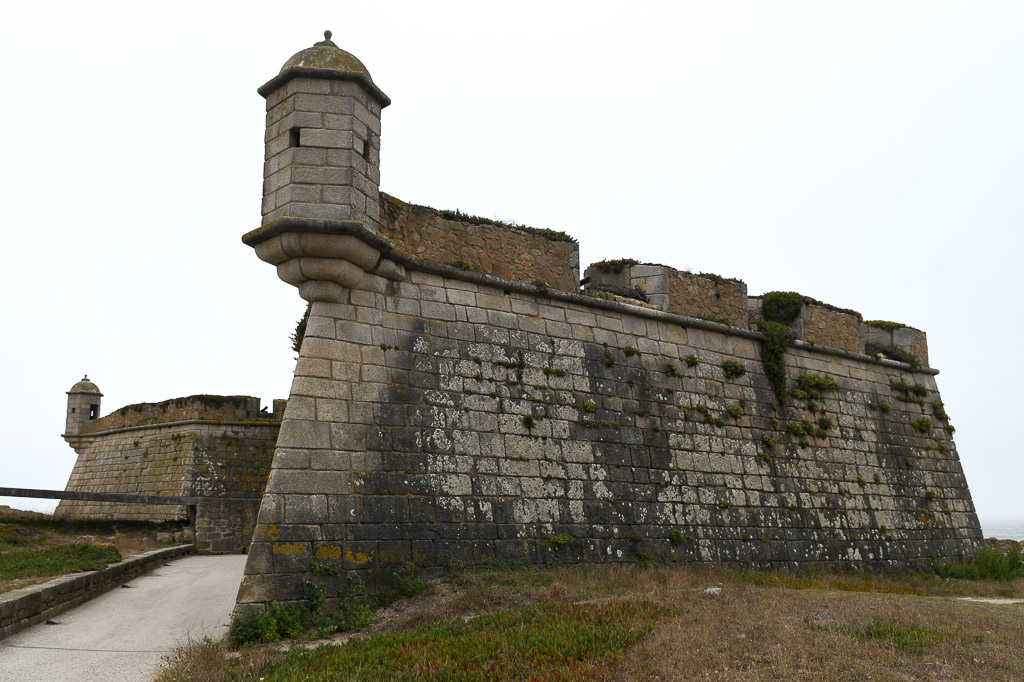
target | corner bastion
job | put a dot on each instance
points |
(458, 399)
(215, 448)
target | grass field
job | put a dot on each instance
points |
(35, 548)
(597, 622)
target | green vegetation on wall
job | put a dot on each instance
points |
(300, 330)
(884, 324)
(782, 306)
(892, 353)
(733, 369)
(773, 355)
(778, 311)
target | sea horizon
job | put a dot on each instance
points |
(1003, 529)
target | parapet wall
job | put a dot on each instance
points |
(706, 297)
(503, 251)
(200, 446)
(720, 299)
(204, 407)
(439, 416)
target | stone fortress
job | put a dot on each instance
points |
(463, 396)
(458, 398)
(214, 448)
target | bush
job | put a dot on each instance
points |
(355, 610)
(817, 381)
(273, 623)
(993, 562)
(406, 582)
(781, 306)
(733, 369)
(300, 330)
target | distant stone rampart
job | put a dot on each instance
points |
(199, 446)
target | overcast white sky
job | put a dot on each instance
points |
(867, 154)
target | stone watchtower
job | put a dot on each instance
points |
(83, 406)
(321, 199)
(322, 158)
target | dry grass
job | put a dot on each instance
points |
(761, 633)
(207, 661)
(762, 626)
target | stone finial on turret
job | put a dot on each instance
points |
(322, 159)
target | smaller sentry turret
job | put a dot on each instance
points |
(83, 406)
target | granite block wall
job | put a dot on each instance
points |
(712, 298)
(832, 328)
(322, 153)
(704, 296)
(888, 336)
(451, 417)
(225, 526)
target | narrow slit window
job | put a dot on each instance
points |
(293, 137)
(94, 411)
(366, 149)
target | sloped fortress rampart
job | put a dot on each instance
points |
(459, 399)
(215, 448)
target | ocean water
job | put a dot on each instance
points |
(1004, 529)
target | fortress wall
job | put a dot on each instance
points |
(827, 326)
(225, 526)
(449, 417)
(907, 339)
(703, 296)
(422, 233)
(718, 299)
(193, 447)
(212, 407)
(150, 460)
(918, 344)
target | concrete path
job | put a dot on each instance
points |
(123, 635)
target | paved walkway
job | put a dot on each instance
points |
(123, 635)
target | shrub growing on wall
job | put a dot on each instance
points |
(300, 330)
(778, 309)
(782, 306)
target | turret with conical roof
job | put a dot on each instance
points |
(83, 406)
(322, 159)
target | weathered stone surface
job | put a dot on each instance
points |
(497, 440)
(214, 448)
(494, 415)
(200, 446)
(495, 250)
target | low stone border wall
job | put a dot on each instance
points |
(30, 605)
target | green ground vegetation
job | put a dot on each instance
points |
(656, 622)
(35, 548)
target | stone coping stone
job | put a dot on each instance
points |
(34, 604)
